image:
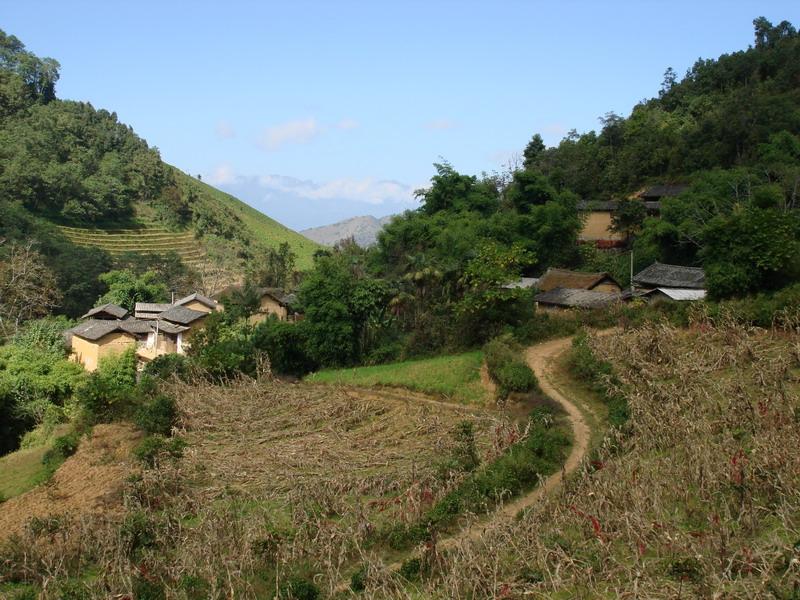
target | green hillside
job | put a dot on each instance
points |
(88, 195)
(261, 228)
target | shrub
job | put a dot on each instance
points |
(63, 447)
(358, 580)
(144, 589)
(151, 448)
(286, 344)
(157, 415)
(600, 376)
(297, 588)
(411, 569)
(507, 367)
(108, 392)
(136, 532)
(167, 365)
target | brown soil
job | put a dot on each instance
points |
(89, 481)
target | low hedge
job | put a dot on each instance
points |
(507, 367)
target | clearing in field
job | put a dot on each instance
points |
(456, 378)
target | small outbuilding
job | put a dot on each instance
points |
(661, 275)
(661, 281)
(107, 312)
(569, 298)
(577, 280)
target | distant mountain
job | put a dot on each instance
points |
(364, 230)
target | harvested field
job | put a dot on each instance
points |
(277, 481)
(294, 442)
(697, 496)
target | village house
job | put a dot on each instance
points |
(560, 299)
(563, 278)
(94, 339)
(561, 289)
(661, 281)
(597, 223)
(271, 301)
(154, 330)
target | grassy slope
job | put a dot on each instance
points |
(264, 229)
(23, 470)
(456, 377)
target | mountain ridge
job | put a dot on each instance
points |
(363, 230)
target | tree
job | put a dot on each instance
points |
(529, 189)
(532, 151)
(125, 288)
(274, 267)
(628, 218)
(28, 288)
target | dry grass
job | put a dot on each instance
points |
(276, 479)
(698, 498)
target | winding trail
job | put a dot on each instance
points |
(539, 358)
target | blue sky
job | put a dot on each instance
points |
(314, 111)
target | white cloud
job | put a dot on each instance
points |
(441, 125)
(222, 174)
(291, 132)
(367, 190)
(347, 124)
(224, 130)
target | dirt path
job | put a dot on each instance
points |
(539, 358)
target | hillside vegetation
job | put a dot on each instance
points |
(80, 188)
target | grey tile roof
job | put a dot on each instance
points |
(182, 315)
(612, 205)
(199, 297)
(660, 191)
(562, 278)
(113, 310)
(671, 276)
(94, 329)
(575, 298)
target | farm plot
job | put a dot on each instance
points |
(150, 239)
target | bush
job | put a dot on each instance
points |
(411, 569)
(286, 344)
(358, 580)
(538, 455)
(151, 448)
(507, 367)
(157, 416)
(167, 365)
(108, 392)
(144, 589)
(297, 588)
(63, 447)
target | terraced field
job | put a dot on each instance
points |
(150, 239)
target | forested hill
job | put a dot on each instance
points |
(719, 115)
(69, 164)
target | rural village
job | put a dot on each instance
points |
(576, 375)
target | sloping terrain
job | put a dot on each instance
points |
(259, 227)
(698, 496)
(149, 239)
(89, 482)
